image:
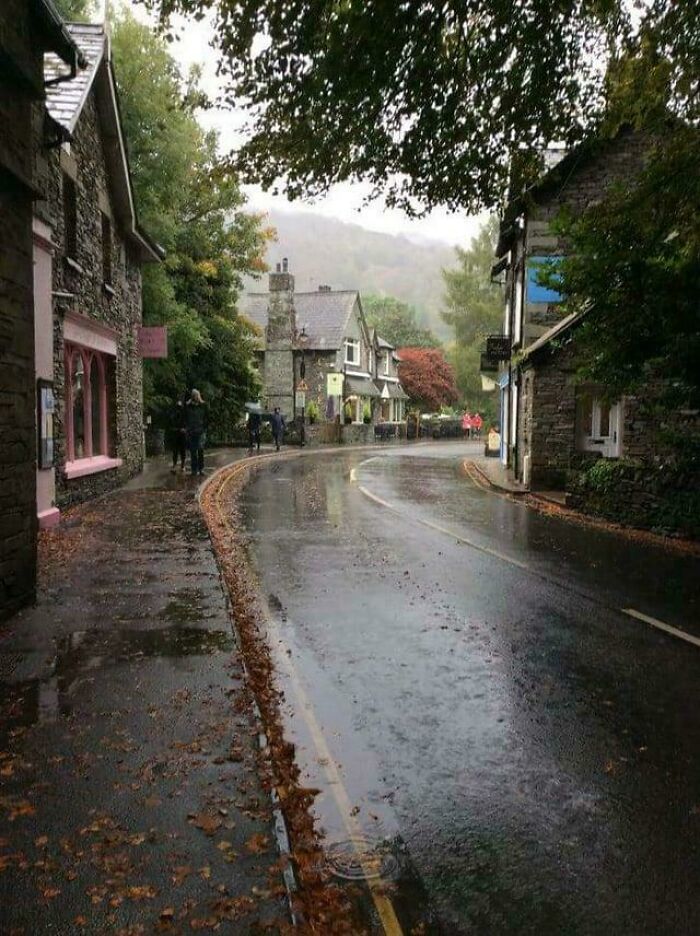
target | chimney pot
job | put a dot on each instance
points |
(285, 265)
(279, 268)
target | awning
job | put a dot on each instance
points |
(360, 386)
(392, 391)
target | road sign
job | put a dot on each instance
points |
(302, 386)
(300, 400)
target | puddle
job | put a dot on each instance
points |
(361, 859)
(79, 656)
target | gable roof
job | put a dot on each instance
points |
(561, 328)
(324, 315)
(56, 36)
(66, 96)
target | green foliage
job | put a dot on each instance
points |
(367, 413)
(312, 411)
(427, 100)
(634, 267)
(473, 309)
(192, 205)
(77, 11)
(395, 322)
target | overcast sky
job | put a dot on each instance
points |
(345, 201)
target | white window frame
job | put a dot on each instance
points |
(610, 445)
(518, 314)
(353, 343)
(387, 362)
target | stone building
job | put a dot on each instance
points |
(28, 29)
(550, 423)
(88, 253)
(323, 333)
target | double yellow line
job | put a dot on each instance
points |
(383, 905)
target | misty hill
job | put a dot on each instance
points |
(325, 250)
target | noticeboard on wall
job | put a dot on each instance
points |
(45, 425)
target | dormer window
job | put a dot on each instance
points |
(387, 359)
(352, 351)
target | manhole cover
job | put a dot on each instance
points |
(360, 859)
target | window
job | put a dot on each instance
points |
(106, 250)
(518, 308)
(70, 217)
(352, 351)
(387, 360)
(88, 403)
(597, 424)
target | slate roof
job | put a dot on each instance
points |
(384, 344)
(65, 101)
(325, 315)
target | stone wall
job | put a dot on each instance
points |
(318, 364)
(17, 386)
(547, 419)
(119, 308)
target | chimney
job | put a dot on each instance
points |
(282, 280)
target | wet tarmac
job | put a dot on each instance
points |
(516, 754)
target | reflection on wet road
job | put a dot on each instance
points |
(528, 755)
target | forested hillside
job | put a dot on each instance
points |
(348, 256)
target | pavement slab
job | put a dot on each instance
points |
(133, 797)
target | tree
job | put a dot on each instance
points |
(430, 101)
(634, 270)
(473, 304)
(395, 321)
(427, 378)
(76, 11)
(193, 206)
(474, 309)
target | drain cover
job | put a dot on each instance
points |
(360, 859)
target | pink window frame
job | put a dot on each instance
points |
(72, 352)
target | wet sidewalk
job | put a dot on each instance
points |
(132, 791)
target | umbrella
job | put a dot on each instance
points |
(254, 408)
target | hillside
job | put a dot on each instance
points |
(348, 256)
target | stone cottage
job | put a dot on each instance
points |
(88, 255)
(307, 336)
(29, 29)
(550, 423)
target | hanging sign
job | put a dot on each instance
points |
(334, 385)
(153, 341)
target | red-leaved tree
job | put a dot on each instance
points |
(427, 377)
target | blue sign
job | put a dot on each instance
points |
(537, 268)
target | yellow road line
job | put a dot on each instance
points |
(660, 625)
(382, 903)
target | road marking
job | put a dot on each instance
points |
(630, 612)
(667, 628)
(456, 536)
(353, 475)
(383, 905)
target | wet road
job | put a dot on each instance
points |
(462, 687)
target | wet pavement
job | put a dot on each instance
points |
(132, 798)
(517, 754)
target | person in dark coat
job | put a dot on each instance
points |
(278, 426)
(178, 435)
(254, 424)
(196, 425)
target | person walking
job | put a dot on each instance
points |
(178, 435)
(466, 424)
(278, 426)
(254, 423)
(477, 423)
(196, 426)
